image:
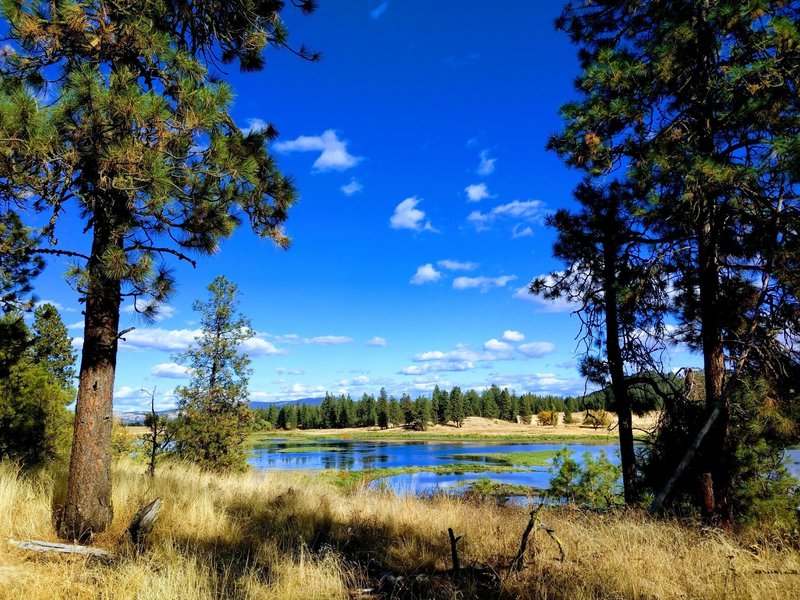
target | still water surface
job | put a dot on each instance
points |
(357, 455)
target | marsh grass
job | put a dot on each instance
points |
(535, 458)
(294, 536)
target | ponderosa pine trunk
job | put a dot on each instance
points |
(87, 509)
(713, 483)
(615, 360)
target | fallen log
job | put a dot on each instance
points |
(42, 546)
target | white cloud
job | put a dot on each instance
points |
(351, 188)
(521, 230)
(257, 346)
(376, 12)
(510, 335)
(531, 211)
(438, 367)
(163, 311)
(319, 340)
(299, 388)
(545, 306)
(76, 325)
(536, 349)
(170, 370)
(376, 341)
(282, 370)
(486, 166)
(328, 340)
(477, 192)
(454, 265)
(461, 353)
(289, 338)
(166, 340)
(254, 125)
(406, 216)
(494, 345)
(178, 340)
(484, 283)
(125, 393)
(334, 155)
(540, 383)
(425, 274)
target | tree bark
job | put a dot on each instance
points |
(714, 484)
(614, 355)
(88, 509)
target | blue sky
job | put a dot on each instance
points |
(417, 145)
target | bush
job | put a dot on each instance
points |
(597, 418)
(547, 417)
(596, 485)
(568, 418)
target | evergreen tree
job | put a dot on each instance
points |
(456, 406)
(382, 409)
(422, 413)
(489, 408)
(472, 403)
(435, 409)
(19, 262)
(407, 407)
(526, 409)
(694, 104)
(35, 425)
(441, 400)
(366, 414)
(505, 405)
(52, 345)
(328, 412)
(138, 142)
(214, 414)
(395, 412)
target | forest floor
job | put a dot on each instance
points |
(286, 536)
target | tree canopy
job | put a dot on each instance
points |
(116, 113)
(693, 107)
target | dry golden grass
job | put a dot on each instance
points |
(478, 427)
(285, 535)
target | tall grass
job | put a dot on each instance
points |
(283, 535)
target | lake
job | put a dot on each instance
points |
(348, 455)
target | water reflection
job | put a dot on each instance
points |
(356, 455)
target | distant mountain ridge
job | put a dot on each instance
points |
(132, 417)
(282, 403)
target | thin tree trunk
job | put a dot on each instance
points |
(614, 355)
(88, 509)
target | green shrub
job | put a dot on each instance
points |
(568, 418)
(596, 485)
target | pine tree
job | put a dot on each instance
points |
(395, 412)
(382, 409)
(407, 408)
(610, 274)
(139, 143)
(35, 388)
(214, 415)
(19, 262)
(695, 105)
(456, 406)
(52, 345)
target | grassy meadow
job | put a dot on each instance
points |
(286, 535)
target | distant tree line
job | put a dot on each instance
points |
(442, 407)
